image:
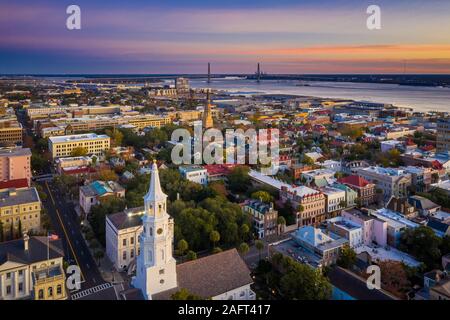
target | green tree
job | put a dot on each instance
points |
(78, 152)
(2, 234)
(301, 282)
(214, 236)
(259, 245)
(307, 160)
(191, 255)
(347, 257)
(244, 248)
(182, 246)
(238, 179)
(184, 294)
(423, 244)
(264, 196)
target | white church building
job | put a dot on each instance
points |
(218, 276)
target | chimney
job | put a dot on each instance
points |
(26, 239)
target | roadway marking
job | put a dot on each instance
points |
(64, 230)
(87, 292)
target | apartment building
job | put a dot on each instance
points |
(31, 270)
(309, 203)
(15, 164)
(11, 132)
(392, 181)
(347, 229)
(335, 200)
(20, 208)
(122, 234)
(264, 217)
(374, 230)
(63, 146)
(443, 135)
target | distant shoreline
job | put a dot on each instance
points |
(423, 80)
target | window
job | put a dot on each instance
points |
(20, 273)
(50, 291)
(132, 240)
(124, 255)
(132, 253)
(8, 275)
(161, 271)
(124, 242)
(20, 287)
(41, 294)
(59, 289)
(8, 290)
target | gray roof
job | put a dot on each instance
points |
(13, 197)
(14, 250)
(127, 219)
(12, 152)
(211, 276)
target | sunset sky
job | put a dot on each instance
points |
(172, 36)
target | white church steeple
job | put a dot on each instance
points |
(156, 267)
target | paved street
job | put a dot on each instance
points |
(64, 221)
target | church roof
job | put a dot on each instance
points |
(210, 276)
(155, 192)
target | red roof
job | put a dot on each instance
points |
(219, 169)
(17, 183)
(354, 180)
(79, 170)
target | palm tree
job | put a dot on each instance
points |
(259, 245)
(244, 248)
(214, 236)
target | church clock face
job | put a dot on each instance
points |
(160, 230)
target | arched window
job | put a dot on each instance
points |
(41, 294)
(50, 291)
(59, 289)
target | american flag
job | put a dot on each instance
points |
(52, 236)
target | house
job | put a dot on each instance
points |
(366, 190)
(93, 193)
(264, 217)
(347, 229)
(122, 232)
(425, 206)
(32, 268)
(402, 205)
(196, 174)
(374, 230)
(316, 241)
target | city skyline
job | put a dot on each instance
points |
(176, 37)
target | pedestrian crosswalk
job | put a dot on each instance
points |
(84, 293)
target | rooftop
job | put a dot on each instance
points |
(14, 152)
(13, 197)
(77, 137)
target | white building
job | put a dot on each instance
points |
(393, 182)
(335, 199)
(218, 276)
(347, 229)
(92, 194)
(195, 174)
(122, 232)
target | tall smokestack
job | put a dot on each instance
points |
(209, 72)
